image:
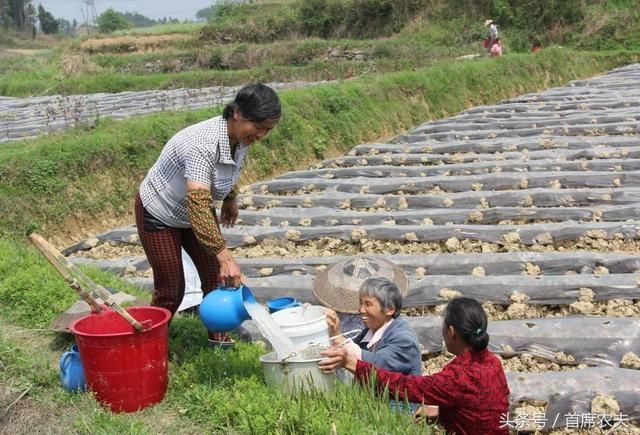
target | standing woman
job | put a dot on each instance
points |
(493, 34)
(175, 205)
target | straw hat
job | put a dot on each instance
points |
(338, 285)
(487, 22)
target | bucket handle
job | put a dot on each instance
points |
(349, 335)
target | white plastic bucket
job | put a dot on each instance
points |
(303, 325)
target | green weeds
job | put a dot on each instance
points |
(161, 29)
(32, 294)
(210, 390)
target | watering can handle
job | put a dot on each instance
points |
(63, 360)
(231, 289)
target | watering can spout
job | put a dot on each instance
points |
(223, 309)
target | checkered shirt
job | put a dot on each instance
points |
(198, 153)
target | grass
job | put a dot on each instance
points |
(210, 391)
(233, 64)
(17, 63)
(255, 42)
(48, 181)
(415, 52)
(49, 81)
(10, 38)
(607, 26)
(258, 41)
(161, 29)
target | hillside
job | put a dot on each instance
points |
(285, 40)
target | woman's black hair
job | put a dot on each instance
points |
(469, 319)
(255, 102)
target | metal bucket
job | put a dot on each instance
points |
(294, 376)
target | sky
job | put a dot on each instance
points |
(70, 9)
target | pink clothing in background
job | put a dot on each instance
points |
(496, 50)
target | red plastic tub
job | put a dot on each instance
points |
(127, 370)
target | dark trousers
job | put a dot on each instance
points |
(163, 249)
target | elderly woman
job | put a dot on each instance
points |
(175, 206)
(387, 342)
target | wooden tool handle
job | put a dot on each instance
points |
(77, 279)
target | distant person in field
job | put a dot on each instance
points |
(536, 46)
(387, 341)
(496, 48)
(175, 209)
(469, 396)
(493, 35)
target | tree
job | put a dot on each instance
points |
(65, 26)
(138, 20)
(110, 21)
(205, 13)
(16, 13)
(30, 19)
(48, 23)
(4, 13)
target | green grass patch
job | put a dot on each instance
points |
(228, 65)
(48, 81)
(210, 390)
(20, 368)
(411, 50)
(161, 29)
(15, 63)
(32, 294)
(267, 41)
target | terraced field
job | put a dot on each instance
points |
(530, 206)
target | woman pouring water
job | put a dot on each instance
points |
(471, 391)
(175, 205)
(387, 341)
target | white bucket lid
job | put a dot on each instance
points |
(299, 316)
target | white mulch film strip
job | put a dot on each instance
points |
(24, 118)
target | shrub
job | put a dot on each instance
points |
(356, 18)
(109, 21)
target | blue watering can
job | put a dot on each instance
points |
(278, 304)
(71, 371)
(223, 308)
